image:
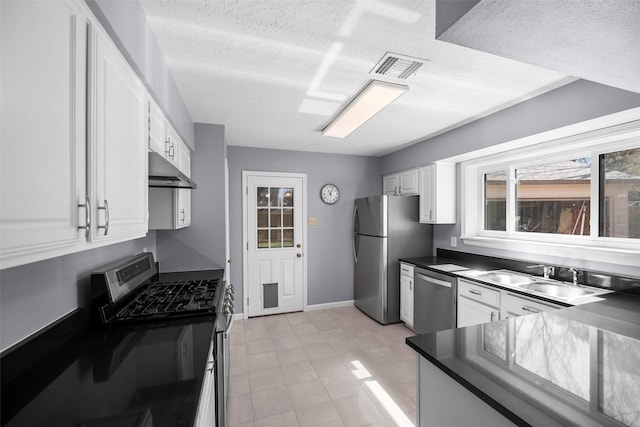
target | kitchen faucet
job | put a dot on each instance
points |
(547, 270)
(575, 276)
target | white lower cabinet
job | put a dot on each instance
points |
(471, 312)
(517, 305)
(482, 304)
(118, 160)
(206, 412)
(406, 294)
(476, 304)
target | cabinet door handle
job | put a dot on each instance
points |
(106, 217)
(529, 309)
(493, 316)
(474, 292)
(182, 216)
(167, 147)
(87, 216)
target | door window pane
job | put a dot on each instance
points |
(263, 219)
(287, 197)
(287, 218)
(263, 239)
(274, 198)
(287, 238)
(554, 197)
(262, 196)
(276, 241)
(274, 217)
(495, 201)
(620, 194)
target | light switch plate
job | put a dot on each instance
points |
(313, 220)
(454, 242)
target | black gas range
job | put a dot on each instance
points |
(137, 293)
(137, 296)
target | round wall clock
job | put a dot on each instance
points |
(329, 194)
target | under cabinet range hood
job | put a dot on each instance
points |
(164, 174)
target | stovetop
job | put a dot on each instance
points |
(170, 299)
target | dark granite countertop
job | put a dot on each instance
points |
(577, 366)
(77, 373)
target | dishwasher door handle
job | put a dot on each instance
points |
(433, 281)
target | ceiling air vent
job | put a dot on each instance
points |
(397, 66)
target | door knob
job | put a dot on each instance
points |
(298, 254)
(298, 245)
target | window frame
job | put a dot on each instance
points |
(589, 139)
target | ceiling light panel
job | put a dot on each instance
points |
(372, 99)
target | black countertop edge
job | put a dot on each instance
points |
(469, 386)
(629, 285)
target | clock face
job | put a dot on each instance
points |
(329, 194)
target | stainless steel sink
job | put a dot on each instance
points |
(557, 290)
(506, 277)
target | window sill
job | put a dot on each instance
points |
(587, 251)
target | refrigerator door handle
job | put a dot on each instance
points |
(356, 228)
(355, 248)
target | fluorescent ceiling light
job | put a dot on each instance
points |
(370, 101)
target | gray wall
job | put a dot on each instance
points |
(202, 245)
(127, 25)
(34, 295)
(328, 251)
(576, 102)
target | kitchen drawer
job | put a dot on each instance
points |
(479, 293)
(406, 270)
(517, 305)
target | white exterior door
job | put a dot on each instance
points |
(275, 266)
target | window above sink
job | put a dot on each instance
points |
(574, 191)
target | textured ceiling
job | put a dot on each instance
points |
(274, 72)
(597, 40)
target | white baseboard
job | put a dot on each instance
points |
(324, 306)
(314, 307)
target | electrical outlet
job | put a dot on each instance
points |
(454, 242)
(313, 220)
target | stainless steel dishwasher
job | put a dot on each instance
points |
(434, 301)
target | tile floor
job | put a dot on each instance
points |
(333, 367)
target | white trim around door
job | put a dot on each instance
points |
(252, 242)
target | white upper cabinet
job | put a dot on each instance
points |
(438, 193)
(183, 218)
(173, 144)
(409, 182)
(74, 135)
(42, 155)
(157, 129)
(405, 183)
(118, 161)
(390, 184)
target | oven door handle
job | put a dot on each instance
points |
(228, 328)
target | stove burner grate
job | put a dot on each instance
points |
(171, 299)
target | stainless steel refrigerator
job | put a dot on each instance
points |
(385, 228)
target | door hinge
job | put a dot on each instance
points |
(247, 245)
(246, 190)
(247, 301)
